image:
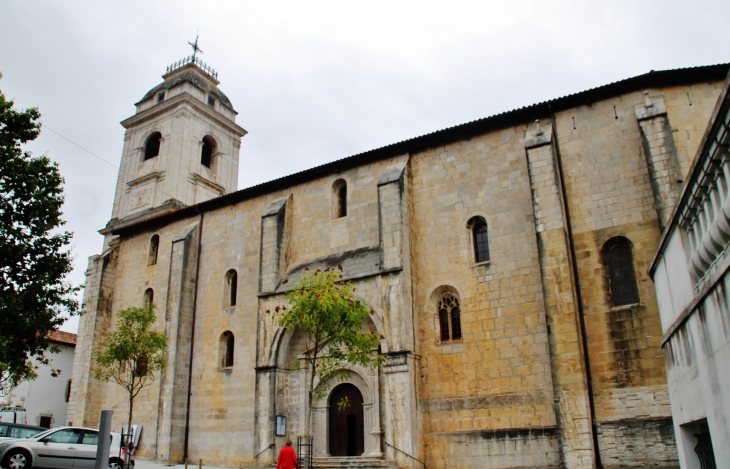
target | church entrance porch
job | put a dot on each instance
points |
(346, 424)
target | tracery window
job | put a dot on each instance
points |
(227, 342)
(152, 147)
(449, 317)
(339, 198)
(621, 274)
(154, 248)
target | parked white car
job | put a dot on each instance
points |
(62, 447)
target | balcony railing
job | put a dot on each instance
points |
(193, 60)
(705, 217)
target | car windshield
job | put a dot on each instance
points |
(47, 432)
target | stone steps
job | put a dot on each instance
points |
(358, 462)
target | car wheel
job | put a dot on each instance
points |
(17, 459)
(116, 464)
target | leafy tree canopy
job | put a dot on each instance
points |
(326, 310)
(35, 258)
(134, 354)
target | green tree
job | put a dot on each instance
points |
(35, 257)
(326, 311)
(134, 354)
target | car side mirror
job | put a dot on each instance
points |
(45, 439)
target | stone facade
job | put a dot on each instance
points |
(537, 366)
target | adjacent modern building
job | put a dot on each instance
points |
(46, 398)
(690, 271)
(505, 261)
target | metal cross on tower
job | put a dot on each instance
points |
(195, 47)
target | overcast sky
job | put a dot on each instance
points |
(318, 81)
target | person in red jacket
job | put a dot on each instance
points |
(287, 458)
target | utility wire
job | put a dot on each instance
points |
(44, 126)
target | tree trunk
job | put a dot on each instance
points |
(129, 432)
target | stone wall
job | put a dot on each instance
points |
(546, 366)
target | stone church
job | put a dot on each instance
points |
(505, 260)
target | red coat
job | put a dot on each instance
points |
(287, 459)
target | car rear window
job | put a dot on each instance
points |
(20, 432)
(3, 430)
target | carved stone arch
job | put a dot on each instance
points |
(355, 378)
(281, 345)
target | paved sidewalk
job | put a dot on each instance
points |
(143, 464)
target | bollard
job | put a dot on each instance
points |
(186, 463)
(200, 465)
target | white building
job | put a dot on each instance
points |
(690, 271)
(46, 398)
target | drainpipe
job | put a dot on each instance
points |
(579, 297)
(192, 335)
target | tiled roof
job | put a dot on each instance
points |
(62, 337)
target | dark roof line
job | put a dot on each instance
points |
(653, 79)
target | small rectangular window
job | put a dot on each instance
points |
(161, 97)
(211, 101)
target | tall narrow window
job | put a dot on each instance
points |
(226, 346)
(481, 242)
(149, 297)
(231, 287)
(339, 198)
(206, 154)
(449, 317)
(68, 390)
(152, 147)
(154, 247)
(621, 274)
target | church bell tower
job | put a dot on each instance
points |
(181, 147)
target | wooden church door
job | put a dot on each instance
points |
(346, 426)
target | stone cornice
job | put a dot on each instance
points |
(176, 101)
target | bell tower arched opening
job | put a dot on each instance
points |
(346, 421)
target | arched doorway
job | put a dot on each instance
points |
(346, 426)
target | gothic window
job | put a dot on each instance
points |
(152, 147)
(154, 248)
(479, 239)
(621, 274)
(227, 342)
(206, 154)
(449, 317)
(149, 297)
(339, 198)
(231, 287)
